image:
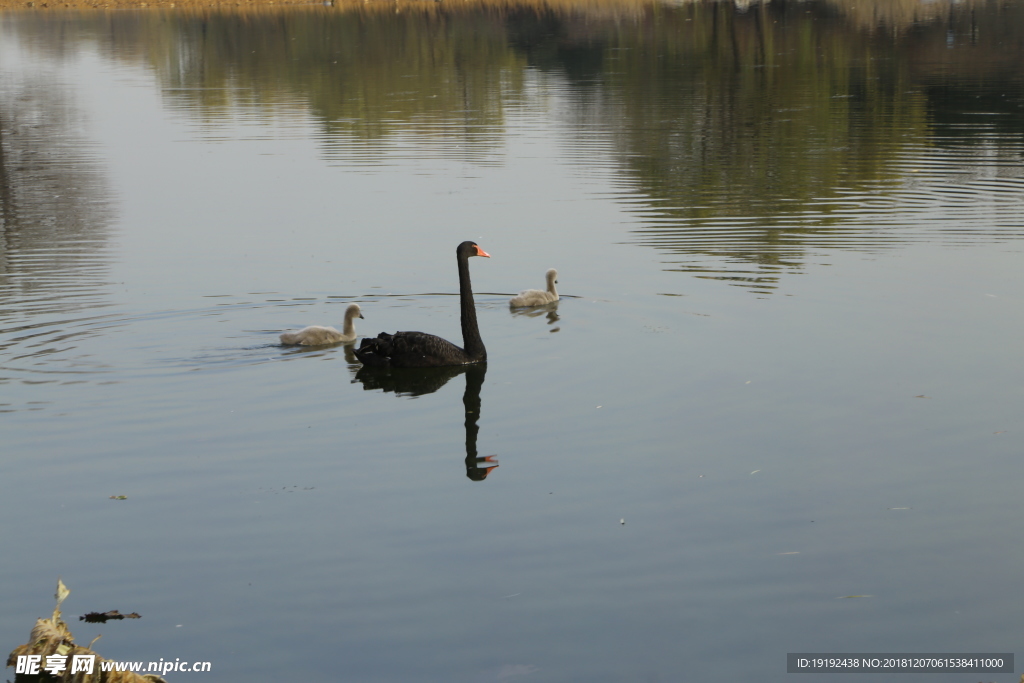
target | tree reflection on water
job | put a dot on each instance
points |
(752, 133)
(55, 207)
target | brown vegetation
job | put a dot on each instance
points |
(57, 5)
(270, 5)
(51, 638)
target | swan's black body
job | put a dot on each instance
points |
(421, 350)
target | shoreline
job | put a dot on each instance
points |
(58, 5)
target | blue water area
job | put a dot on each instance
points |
(776, 409)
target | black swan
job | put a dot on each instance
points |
(315, 335)
(537, 297)
(420, 350)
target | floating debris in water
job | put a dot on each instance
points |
(119, 498)
(104, 617)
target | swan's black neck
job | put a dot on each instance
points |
(472, 343)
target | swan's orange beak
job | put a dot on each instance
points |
(481, 252)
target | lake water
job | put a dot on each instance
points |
(786, 367)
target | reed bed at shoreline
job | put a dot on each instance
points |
(893, 14)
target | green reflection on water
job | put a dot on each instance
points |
(747, 133)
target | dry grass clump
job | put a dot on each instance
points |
(51, 637)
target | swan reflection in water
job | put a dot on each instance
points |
(419, 381)
(548, 310)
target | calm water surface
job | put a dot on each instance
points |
(785, 369)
